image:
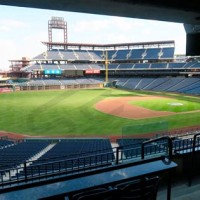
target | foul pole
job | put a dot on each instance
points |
(106, 64)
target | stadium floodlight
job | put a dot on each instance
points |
(57, 23)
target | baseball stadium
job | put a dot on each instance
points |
(77, 113)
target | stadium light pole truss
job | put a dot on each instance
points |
(57, 23)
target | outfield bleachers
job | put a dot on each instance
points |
(99, 55)
(57, 82)
(158, 65)
(167, 52)
(152, 53)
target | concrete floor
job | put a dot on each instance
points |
(181, 191)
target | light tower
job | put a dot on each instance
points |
(57, 23)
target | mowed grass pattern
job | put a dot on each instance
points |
(171, 105)
(72, 113)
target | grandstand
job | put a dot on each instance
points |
(141, 66)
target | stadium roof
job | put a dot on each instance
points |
(175, 11)
(137, 44)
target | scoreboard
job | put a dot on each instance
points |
(53, 71)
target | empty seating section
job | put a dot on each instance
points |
(99, 55)
(158, 65)
(121, 61)
(33, 67)
(181, 144)
(131, 148)
(54, 55)
(193, 90)
(78, 66)
(172, 84)
(172, 65)
(96, 66)
(125, 66)
(144, 82)
(71, 153)
(167, 52)
(82, 66)
(155, 83)
(136, 54)
(41, 56)
(44, 157)
(67, 67)
(49, 67)
(5, 143)
(69, 55)
(192, 86)
(74, 66)
(85, 81)
(132, 83)
(52, 82)
(189, 64)
(57, 82)
(118, 54)
(121, 82)
(20, 153)
(184, 84)
(195, 65)
(35, 83)
(152, 53)
(113, 66)
(96, 55)
(141, 66)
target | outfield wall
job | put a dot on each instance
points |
(60, 87)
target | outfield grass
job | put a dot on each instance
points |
(72, 112)
(170, 105)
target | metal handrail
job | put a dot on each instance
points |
(169, 141)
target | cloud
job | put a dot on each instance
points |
(10, 24)
(91, 25)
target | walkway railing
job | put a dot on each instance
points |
(64, 166)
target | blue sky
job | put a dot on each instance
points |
(23, 29)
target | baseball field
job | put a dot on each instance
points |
(93, 112)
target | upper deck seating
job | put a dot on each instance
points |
(152, 53)
(167, 52)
